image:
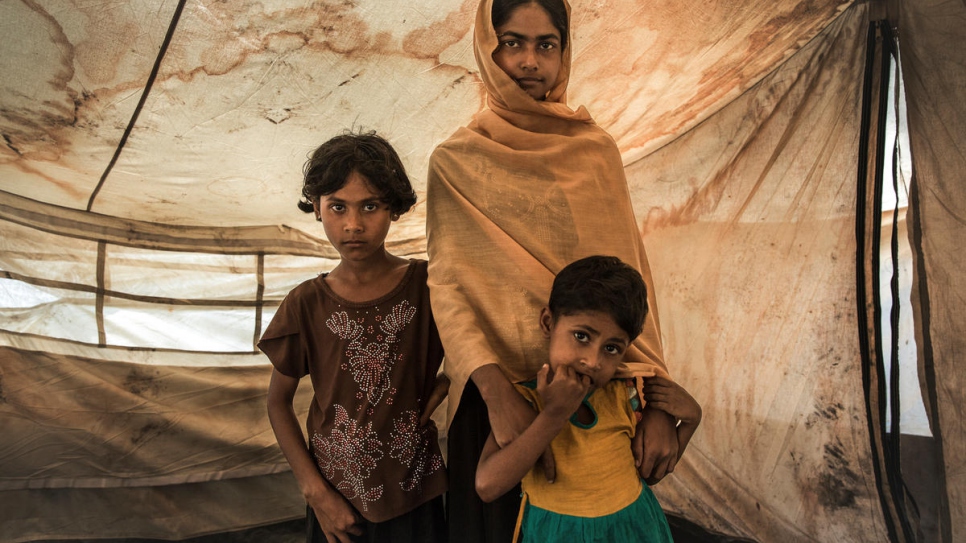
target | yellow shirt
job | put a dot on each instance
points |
(596, 474)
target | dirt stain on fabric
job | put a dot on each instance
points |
(827, 413)
(143, 383)
(147, 432)
(836, 485)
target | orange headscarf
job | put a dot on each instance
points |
(523, 190)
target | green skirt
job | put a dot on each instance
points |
(641, 521)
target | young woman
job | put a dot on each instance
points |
(527, 187)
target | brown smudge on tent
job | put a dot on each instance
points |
(143, 382)
(67, 187)
(3, 397)
(32, 132)
(146, 432)
(36, 134)
(226, 55)
(278, 115)
(836, 486)
(57, 36)
(98, 55)
(824, 413)
(831, 412)
(766, 33)
(10, 145)
(430, 42)
(341, 30)
(702, 202)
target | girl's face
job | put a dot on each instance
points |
(529, 50)
(356, 219)
(590, 342)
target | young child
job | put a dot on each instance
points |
(365, 336)
(597, 307)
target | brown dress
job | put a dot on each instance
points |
(372, 366)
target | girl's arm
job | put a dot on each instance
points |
(499, 469)
(508, 412)
(336, 516)
(436, 397)
(673, 399)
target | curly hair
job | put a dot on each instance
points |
(367, 154)
(601, 283)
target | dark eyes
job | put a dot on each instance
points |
(513, 44)
(339, 208)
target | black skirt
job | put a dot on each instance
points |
(471, 520)
(425, 524)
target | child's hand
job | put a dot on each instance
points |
(337, 518)
(562, 391)
(671, 398)
(436, 397)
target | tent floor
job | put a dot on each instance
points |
(293, 531)
(919, 469)
(919, 466)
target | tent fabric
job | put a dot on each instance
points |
(759, 200)
(934, 64)
(136, 277)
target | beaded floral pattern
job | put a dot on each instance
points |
(352, 450)
(410, 444)
(372, 363)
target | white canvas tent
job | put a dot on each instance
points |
(151, 162)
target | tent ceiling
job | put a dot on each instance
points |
(244, 91)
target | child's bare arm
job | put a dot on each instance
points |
(499, 469)
(673, 399)
(336, 516)
(436, 397)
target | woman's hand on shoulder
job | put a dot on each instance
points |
(655, 445)
(508, 412)
(673, 399)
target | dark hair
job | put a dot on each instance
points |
(367, 154)
(502, 9)
(601, 283)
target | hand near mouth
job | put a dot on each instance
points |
(562, 390)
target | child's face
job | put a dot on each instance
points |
(356, 219)
(590, 342)
(529, 50)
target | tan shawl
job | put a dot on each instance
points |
(526, 188)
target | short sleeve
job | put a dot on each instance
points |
(282, 341)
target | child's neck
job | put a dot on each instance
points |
(362, 281)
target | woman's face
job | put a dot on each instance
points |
(529, 50)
